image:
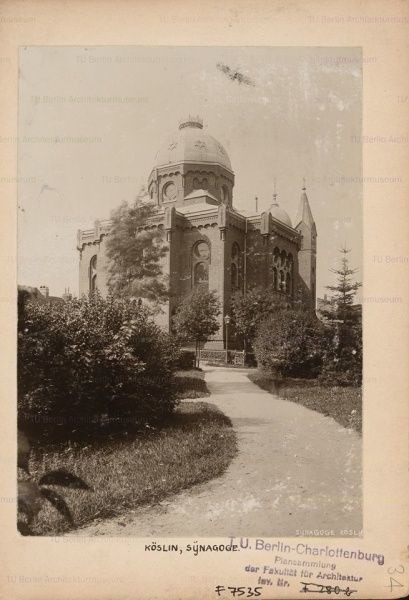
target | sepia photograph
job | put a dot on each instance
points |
(190, 271)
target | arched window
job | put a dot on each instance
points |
(201, 273)
(288, 288)
(225, 196)
(93, 273)
(283, 255)
(282, 281)
(234, 277)
(236, 267)
(200, 264)
(290, 261)
(275, 279)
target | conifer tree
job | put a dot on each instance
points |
(343, 357)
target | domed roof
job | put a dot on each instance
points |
(191, 144)
(279, 213)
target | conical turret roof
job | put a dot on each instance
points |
(304, 214)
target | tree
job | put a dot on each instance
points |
(343, 356)
(288, 342)
(248, 311)
(196, 318)
(135, 253)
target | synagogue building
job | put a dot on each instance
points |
(211, 244)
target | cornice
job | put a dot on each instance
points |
(184, 167)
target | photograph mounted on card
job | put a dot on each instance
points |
(191, 365)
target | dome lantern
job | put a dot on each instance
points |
(191, 122)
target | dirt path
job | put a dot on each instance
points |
(295, 470)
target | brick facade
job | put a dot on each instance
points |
(210, 243)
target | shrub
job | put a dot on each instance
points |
(186, 360)
(249, 310)
(289, 342)
(342, 363)
(89, 362)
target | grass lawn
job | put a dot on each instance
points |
(344, 404)
(197, 445)
(190, 384)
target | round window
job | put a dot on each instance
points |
(202, 250)
(169, 191)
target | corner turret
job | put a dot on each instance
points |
(307, 255)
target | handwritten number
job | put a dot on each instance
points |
(239, 591)
(396, 584)
(391, 570)
(399, 570)
(322, 589)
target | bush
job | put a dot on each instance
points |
(91, 363)
(342, 355)
(249, 310)
(187, 360)
(289, 343)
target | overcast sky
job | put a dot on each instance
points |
(295, 113)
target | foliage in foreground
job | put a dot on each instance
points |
(289, 343)
(343, 404)
(32, 493)
(198, 444)
(91, 364)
